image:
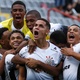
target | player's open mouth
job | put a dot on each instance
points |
(36, 33)
(71, 36)
(18, 18)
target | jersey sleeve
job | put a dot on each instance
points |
(9, 58)
(76, 48)
(23, 52)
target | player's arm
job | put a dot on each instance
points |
(22, 73)
(24, 43)
(18, 60)
(2, 63)
(70, 52)
(52, 70)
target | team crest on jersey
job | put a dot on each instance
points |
(49, 60)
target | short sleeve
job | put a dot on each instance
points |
(9, 58)
(23, 52)
(76, 48)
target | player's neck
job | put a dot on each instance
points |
(18, 25)
(42, 44)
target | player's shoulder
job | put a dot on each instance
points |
(10, 19)
(54, 47)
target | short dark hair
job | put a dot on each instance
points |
(65, 29)
(16, 31)
(34, 12)
(59, 37)
(75, 25)
(2, 30)
(19, 2)
(47, 23)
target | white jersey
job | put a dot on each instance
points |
(70, 68)
(58, 26)
(6, 77)
(8, 65)
(51, 56)
(55, 27)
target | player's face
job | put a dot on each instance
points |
(18, 13)
(15, 40)
(73, 35)
(30, 20)
(5, 40)
(40, 30)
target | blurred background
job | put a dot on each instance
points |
(66, 12)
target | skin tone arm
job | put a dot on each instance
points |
(39, 66)
(54, 71)
(2, 63)
(18, 60)
(22, 73)
(24, 43)
(32, 63)
(70, 52)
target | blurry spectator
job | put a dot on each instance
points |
(69, 9)
(77, 7)
(74, 10)
(44, 5)
(59, 4)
